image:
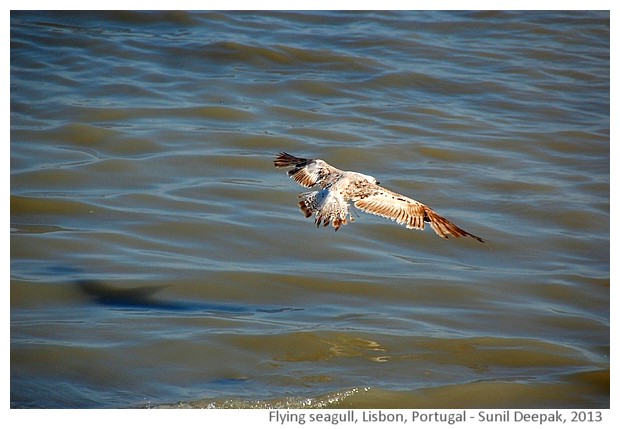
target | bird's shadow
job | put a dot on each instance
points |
(141, 298)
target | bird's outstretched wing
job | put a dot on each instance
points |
(406, 211)
(307, 172)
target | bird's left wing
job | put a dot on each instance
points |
(307, 172)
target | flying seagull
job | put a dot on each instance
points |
(330, 204)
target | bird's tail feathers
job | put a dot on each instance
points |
(326, 210)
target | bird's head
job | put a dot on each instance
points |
(371, 179)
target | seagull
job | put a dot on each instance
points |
(330, 203)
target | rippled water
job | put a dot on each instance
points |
(159, 260)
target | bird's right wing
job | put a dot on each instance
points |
(406, 211)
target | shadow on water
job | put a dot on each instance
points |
(141, 298)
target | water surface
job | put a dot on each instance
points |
(159, 260)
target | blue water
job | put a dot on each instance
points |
(158, 259)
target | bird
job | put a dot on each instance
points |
(336, 188)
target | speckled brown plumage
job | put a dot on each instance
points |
(330, 204)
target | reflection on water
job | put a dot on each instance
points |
(142, 298)
(158, 259)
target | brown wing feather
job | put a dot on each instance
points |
(445, 228)
(408, 212)
(398, 208)
(306, 171)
